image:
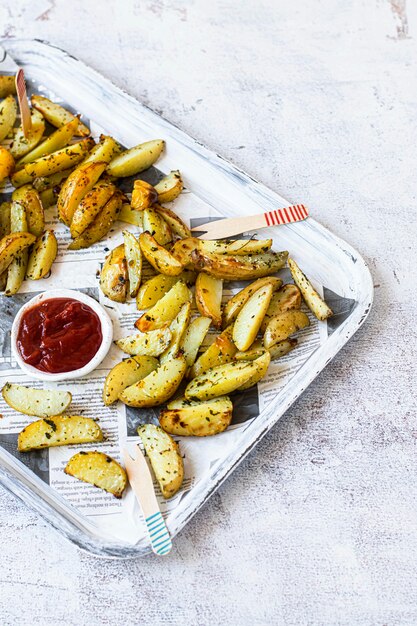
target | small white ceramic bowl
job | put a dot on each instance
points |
(106, 330)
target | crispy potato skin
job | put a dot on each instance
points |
(169, 187)
(58, 430)
(237, 267)
(165, 457)
(114, 276)
(126, 373)
(284, 325)
(174, 221)
(101, 224)
(77, 185)
(221, 351)
(90, 206)
(17, 268)
(208, 296)
(286, 298)
(11, 245)
(99, 470)
(143, 195)
(198, 419)
(262, 367)
(7, 85)
(7, 163)
(29, 198)
(158, 257)
(314, 301)
(42, 256)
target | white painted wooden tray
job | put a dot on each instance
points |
(331, 261)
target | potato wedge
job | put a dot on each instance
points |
(193, 338)
(37, 402)
(104, 151)
(263, 362)
(153, 289)
(6, 164)
(125, 374)
(284, 325)
(208, 296)
(42, 256)
(7, 85)
(17, 268)
(169, 187)
(130, 216)
(136, 159)
(221, 380)
(101, 225)
(133, 254)
(158, 386)
(165, 458)
(238, 267)
(8, 114)
(282, 348)
(114, 275)
(235, 304)
(48, 197)
(29, 198)
(11, 245)
(143, 195)
(314, 301)
(156, 226)
(57, 115)
(20, 144)
(183, 251)
(177, 327)
(90, 206)
(166, 309)
(249, 319)
(5, 208)
(221, 351)
(237, 247)
(77, 185)
(256, 350)
(60, 430)
(158, 257)
(174, 221)
(99, 470)
(57, 140)
(54, 180)
(152, 343)
(186, 418)
(286, 298)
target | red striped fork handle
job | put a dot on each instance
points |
(23, 102)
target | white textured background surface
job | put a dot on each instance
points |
(317, 99)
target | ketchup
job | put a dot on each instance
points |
(59, 335)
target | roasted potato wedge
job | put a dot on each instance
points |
(60, 430)
(20, 144)
(314, 301)
(130, 216)
(7, 85)
(137, 159)
(57, 140)
(177, 327)
(158, 257)
(165, 458)
(208, 296)
(186, 418)
(169, 187)
(133, 254)
(101, 224)
(6, 164)
(77, 185)
(11, 245)
(166, 309)
(143, 195)
(255, 351)
(99, 470)
(282, 348)
(158, 386)
(29, 198)
(221, 351)
(5, 208)
(104, 151)
(221, 380)
(284, 325)
(17, 268)
(286, 298)
(184, 249)
(238, 267)
(153, 289)
(42, 255)
(37, 402)
(90, 206)
(193, 338)
(125, 374)
(174, 221)
(8, 114)
(263, 362)
(156, 226)
(54, 180)
(57, 115)
(114, 275)
(235, 304)
(249, 319)
(237, 247)
(48, 197)
(152, 343)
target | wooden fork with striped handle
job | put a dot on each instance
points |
(142, 485)
(23, 102)
(237, 225)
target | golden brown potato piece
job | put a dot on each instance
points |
(158, 386)
(57, 140)
(54, 180)
(177, 328)
(59, 430)
(133, 254)
(284, 325)
(282, 348)
(165, 458)
(7, 85)
(152, 343)
(143, 195)
(8, 113)
(169, 187)
(238, 267)
(237, 247)
(183, 251)
(104, 151)
(236, 303)
(156, 226)
(99, 470)
(130, 216)
(187, 418)
(42, 256)
(286, 298)
(101, 224)
(114, 276)
(6, 164)
(137, 159)
(20, 144)
(166, 309)
(153, 289)
(5, 208)
(77, 185)
(314, 301)
(29, 198)
(249, 319)
(11, 245)
(90, 206)
(57, 115)
(208, 296)
(125, 374)
(193, 338)
(174, 221)
(221, 351)
(158, 257)
(263, 362)
(17, 268)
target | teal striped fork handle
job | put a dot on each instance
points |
(158, 534)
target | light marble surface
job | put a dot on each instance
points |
(319, 101)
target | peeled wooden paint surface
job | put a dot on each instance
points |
(329, 90)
